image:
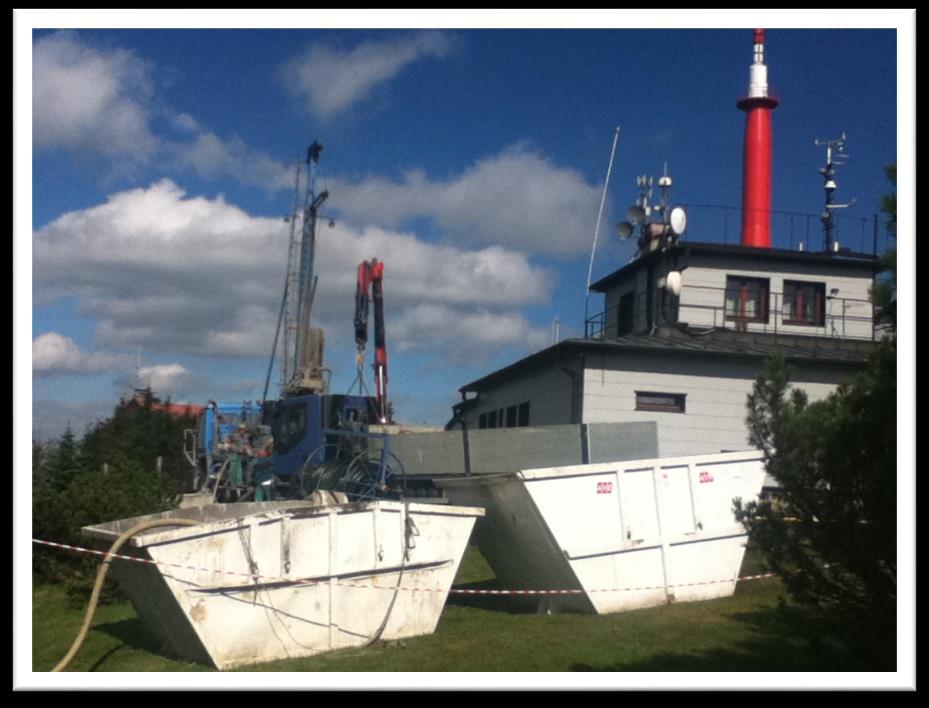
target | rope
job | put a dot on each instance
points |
(101, 575)
(409, 530)
(410, 545)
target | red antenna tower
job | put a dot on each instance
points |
(756, 179)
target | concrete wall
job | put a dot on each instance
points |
(442, 453)
(716, 393)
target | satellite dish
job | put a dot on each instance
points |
(673, 282)
(635, 214)
(678, 220)
(625, 230)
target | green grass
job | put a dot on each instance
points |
(752, 631)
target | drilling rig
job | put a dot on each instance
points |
(320, 439)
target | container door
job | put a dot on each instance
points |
(721, 482)
(640, 509)
(677, 501)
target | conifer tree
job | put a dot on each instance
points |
(830, 531)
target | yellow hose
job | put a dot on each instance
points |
(101, 574)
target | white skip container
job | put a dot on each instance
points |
(617, 536)
(261, 581)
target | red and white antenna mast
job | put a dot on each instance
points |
(756, 179)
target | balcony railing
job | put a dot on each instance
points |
(704, 307)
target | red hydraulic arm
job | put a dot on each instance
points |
(371, 277)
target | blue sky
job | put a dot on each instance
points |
(470, 161)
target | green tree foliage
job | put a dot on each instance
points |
(140, 430)
(884, 293)
(112, 473)
(122, 490)
(831, 531)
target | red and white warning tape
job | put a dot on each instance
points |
(458, 591)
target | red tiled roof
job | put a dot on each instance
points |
(178, 409)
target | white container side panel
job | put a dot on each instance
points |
(718, 484)
(515, 539)
(703, 571)
(645, 532)
(594, 531)
(280, 585)
(680, 517)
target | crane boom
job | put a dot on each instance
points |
(371, 279)
(305, 369)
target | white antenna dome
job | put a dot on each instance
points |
(678, 220)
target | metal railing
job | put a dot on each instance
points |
(716, 223)
(704, 307)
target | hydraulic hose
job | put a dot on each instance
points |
(409, 530)
(101, 575)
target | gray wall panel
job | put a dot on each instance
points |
(610, 442)
(441, 453)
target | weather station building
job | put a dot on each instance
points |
(687, 326)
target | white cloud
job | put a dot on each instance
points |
(330, 80)
(103, 101)
(465, 334)
(518, 198)
(53, 353)
(200, 276)
(163, 378)
(212, 158)
(165, 271)
(89, 99)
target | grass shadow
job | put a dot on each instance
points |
(132, 634)
(783, 639)
(508, 604)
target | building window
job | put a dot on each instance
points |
(747, 299)
(804, 303)
(511, 417)
(515, 416)
(664, 402)
(626, 320)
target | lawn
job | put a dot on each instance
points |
(755, 630)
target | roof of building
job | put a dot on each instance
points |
(176, 410)
(682, 341)
(684, 249)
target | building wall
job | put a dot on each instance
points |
(702, 297)
(553, 396)
(702, 301)
(716, 391)
(637, 284)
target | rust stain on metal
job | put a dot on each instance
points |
(198, 612)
